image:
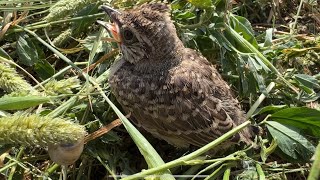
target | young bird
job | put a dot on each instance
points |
(170, 90)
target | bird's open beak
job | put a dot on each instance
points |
(112, 27)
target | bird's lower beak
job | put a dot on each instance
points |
(112, 27)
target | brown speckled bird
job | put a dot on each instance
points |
(171, 91)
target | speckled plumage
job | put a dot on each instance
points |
(171, 91)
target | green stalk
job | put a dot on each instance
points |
(296, 17)
(315, 169)
(8, 166)
(54, 76)
(259, 100)
(18, 158)
(217, 163)
(193, 155)
(260, 172)
(70, 102)
(107, 168)
(207, 168)
(226, 175)
(52, 169)
(212, 175)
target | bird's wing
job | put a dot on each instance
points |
(194, 105)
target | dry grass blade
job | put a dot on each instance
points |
(103, 130)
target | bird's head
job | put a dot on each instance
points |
(144, 33)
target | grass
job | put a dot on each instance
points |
(54, 65)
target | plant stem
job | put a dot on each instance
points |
(315, 169)
(226, 174)
(296, 18)
(193, 155)
(259, 100)
(8, 166)
(107, 168)
(52, 169)
(260, 172)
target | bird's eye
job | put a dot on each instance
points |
(128, 35)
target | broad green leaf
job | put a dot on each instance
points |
(27, 51)
(260, 62)
(256, 65)
(308, 81)
(269, 109)
(300, 117)
(185, 16)
(306, 89)
(243, 27)
(308, 97)
(44, 69)
(254, 70)
(17, 103)
(201, 3)
(291, 141)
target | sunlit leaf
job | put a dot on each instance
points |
(26, 50)
(201, 3)
(308, 97)
(300, 117)
(291, 141)
(269, 109)
(185, 16)
(17, 103)
(243, 27)
(307, 80)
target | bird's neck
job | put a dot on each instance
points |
(163, 59)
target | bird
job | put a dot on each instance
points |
(171, 91)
